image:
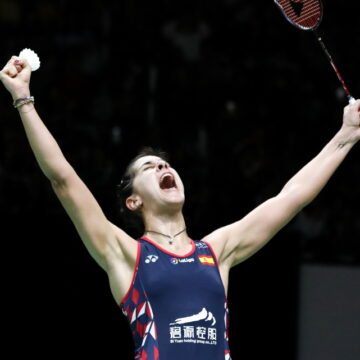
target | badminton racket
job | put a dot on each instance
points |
(307, 15)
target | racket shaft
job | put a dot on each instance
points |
(337, 72)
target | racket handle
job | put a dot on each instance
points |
(351, 99)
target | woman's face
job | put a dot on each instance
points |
(157, 184)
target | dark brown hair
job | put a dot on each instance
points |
(133, 219)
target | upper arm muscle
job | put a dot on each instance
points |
(238, 241)
(92, 225)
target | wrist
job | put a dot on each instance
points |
(26, 108)
(20, 93)
(18, 103)
(346, 136)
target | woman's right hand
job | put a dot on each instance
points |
(16, 77)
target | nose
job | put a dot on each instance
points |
(161, 164)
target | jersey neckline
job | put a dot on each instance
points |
(169, 252)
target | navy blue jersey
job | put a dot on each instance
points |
(176, 305)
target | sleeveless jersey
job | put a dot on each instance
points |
(176, 305)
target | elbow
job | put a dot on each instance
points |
(56, 182)
(297, 196)
(61, 177)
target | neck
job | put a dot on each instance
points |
(167, 230)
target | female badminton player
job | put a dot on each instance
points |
(172, 289)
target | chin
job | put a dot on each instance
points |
(177, 201)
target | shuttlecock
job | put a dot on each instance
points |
(31, 57)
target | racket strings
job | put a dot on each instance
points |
(305, 14)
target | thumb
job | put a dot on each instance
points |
(22, 64)
(23, 70)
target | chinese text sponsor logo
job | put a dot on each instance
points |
(183, 330)
(193, 334)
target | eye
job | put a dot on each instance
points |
(149, 166)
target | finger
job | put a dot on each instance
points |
(18, 62)
(12, 60)
(357, 104)
(355, 109)
(24, 65)
(10, 70)
(18, 66)
(353, 105)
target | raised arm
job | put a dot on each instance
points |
(106, 243)
(236, 242)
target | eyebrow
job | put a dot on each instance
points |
(150, 162)
(147, 163)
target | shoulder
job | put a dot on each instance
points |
(216, 240)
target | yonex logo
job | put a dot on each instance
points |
(151, 258)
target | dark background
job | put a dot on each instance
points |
(237, 96)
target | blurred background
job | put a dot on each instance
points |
(241, 100)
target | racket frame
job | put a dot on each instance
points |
(294, 23)
(319, 39)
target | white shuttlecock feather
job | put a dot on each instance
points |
(31, 57)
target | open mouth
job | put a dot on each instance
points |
(167, 181)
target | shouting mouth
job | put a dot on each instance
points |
(167, 182)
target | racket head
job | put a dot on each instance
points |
(304, 14)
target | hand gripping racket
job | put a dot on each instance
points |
(307, 15)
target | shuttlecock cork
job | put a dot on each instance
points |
(31, 57)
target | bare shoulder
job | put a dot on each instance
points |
(223, 242)
(217, 240)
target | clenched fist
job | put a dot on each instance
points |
(16, 77)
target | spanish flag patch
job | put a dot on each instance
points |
(207, 260)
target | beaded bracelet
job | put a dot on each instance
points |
(20, 102)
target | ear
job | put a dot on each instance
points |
(133, 203)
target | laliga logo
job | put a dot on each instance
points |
(176, 261)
